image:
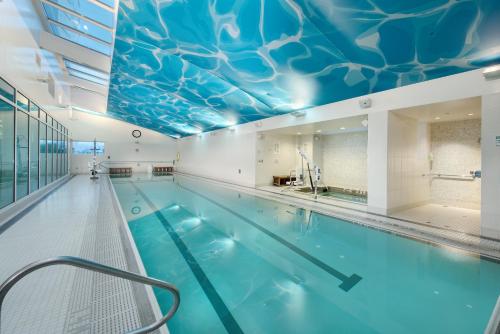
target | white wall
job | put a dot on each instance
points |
(276, 155)
(456, 149)
(118, 141)
(224, 155)
(345, 160)
(377, 154)
(490, 164)
(408, 162)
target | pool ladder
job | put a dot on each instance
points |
(100, 268)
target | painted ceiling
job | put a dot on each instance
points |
(188, 66)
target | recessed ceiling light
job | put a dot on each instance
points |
(342, 128)
(470, 114)
(318, 131)
(299, 133)
(437, 118)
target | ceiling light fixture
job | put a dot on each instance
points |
(470, 114)
(492, 72)
(342, 128)
(299, 133)
(318, 131)
(437, 118)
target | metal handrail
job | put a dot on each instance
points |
(100, 268)
(494, 323)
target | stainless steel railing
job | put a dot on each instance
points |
(100, 268)
(494, 323)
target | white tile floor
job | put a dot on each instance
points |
(78, 219)
(458, 219)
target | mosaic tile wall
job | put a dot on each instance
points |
(456, 149)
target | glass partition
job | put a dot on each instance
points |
(6, 153)
(43, 154)
(22, 154)
(33, 154)
(49, 155)
(33, 146)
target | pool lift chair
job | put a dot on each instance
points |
(93, 165)
(314, 181)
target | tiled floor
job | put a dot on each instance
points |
(78, 219)
(458, 219)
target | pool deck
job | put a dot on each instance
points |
(78, 219)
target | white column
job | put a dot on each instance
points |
(377, 161)
(490, 166)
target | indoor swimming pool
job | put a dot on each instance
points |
(245, 264)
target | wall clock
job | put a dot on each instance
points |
(136, 133)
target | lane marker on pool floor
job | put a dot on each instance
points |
(215, 299)
(348, 282)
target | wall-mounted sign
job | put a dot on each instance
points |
(136, 133)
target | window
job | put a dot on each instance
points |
(6, 153)
(22, 101)
(22, 154)
(6, 90)
(43, 154)
(87, 147)
(33, 154)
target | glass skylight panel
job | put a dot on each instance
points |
(89, 10)
(87, 77)
(80, 39)
(109, 3)
(86, 70)
(77, 23)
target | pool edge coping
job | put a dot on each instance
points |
(133, 247)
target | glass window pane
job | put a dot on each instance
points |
(85, 69)
(6, 90)
(77, 23)
(22, 101)
(88, 77)
(43, 115)
(49, 123)
(109, 3)
(22, 154)
(87, 147)
(80, 39)
(54, 155)
(33, 154)
(6, 154)
(88, 9)
(43, 154)
(49, 155)
(34, 109)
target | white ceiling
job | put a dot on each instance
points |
(350, 124)
(446, 111)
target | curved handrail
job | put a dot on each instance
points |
(97, 267)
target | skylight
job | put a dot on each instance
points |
(86, 73)
(77, 24)
(80, 39)
(87, 9)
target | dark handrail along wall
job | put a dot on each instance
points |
(100, 268)
(33, 146)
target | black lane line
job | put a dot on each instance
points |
(347, 281)
(220, 308)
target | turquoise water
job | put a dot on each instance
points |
(252, 265)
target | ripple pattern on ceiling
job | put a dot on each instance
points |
(186, 66)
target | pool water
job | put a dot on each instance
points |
(245, 264)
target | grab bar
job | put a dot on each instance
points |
(100, 268)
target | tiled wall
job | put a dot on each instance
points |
(456, 149)
(345, 160)
(408, 161)
(275, 156)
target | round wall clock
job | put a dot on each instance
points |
(136, 133)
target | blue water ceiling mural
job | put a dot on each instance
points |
(187, 66)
